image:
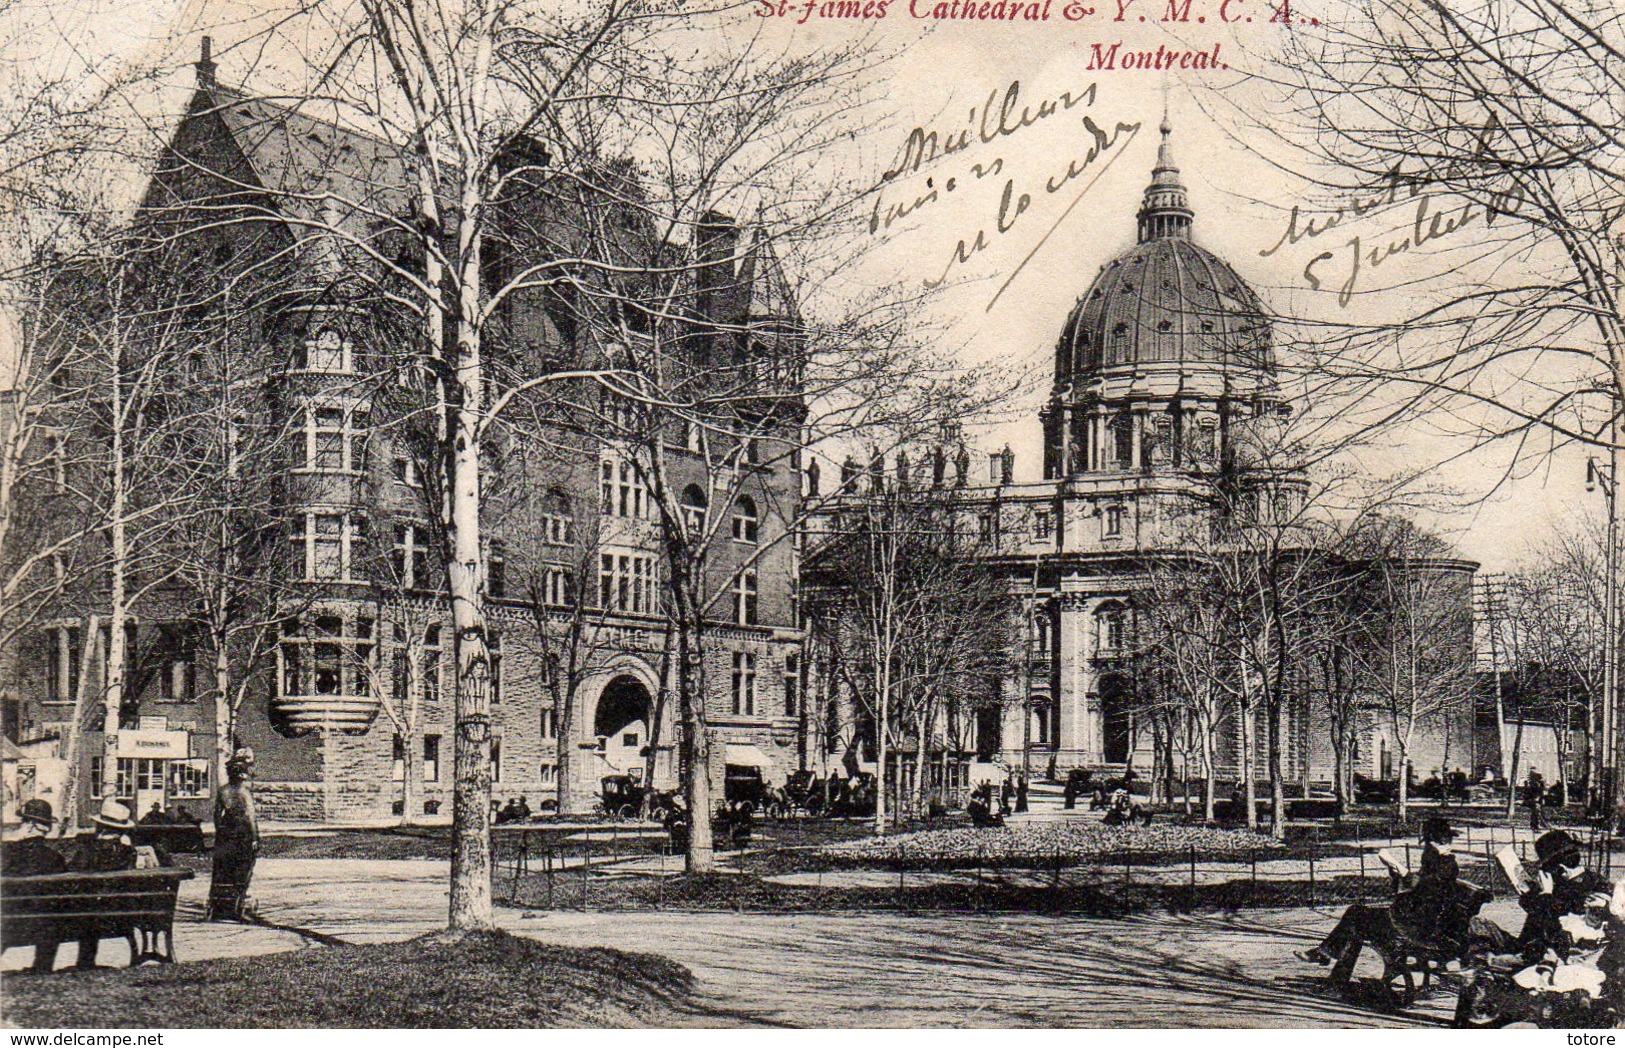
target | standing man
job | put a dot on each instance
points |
(1534, 795)
(30, 855)
(236, 840)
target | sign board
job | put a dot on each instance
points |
(159, 723)
(161, 744)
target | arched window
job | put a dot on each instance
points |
(693, 503)
(746, 524)
(1111, 628)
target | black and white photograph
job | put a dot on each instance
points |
(836, 514)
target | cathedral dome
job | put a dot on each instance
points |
(1165, 300)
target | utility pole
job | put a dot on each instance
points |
(1606, 760)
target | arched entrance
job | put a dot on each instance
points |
(620, 725)
(1117, 719)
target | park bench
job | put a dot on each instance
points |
(135, 905)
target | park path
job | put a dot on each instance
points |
(848, 969)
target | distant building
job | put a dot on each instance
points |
(1163, 367)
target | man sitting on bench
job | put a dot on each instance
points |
(104, 850)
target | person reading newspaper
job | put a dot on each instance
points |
(1562, 887)
(1426, 903)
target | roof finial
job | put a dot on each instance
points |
(205, 67)
(1165, 211)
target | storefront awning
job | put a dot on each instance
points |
(746, 754)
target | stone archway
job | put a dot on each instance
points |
(1116, 719)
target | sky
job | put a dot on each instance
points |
(1004, 301)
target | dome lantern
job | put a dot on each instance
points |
(1165, 213)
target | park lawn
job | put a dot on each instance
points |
(478, 980)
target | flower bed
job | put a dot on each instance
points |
(1047, 843)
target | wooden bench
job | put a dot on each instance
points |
(135, 905)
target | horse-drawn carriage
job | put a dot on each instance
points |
(623, 797)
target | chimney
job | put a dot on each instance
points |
(205, 68)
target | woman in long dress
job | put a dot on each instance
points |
(236, 840)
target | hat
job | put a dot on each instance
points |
(114, 815)
(242, 758)
(1436, 828)
(37, 811)
(1555, 847)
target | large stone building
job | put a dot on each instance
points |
(350, 709)
(1164, 401)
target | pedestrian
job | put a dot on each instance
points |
(236, 841)
(1534, 795)
(1021, 793)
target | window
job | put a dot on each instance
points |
(330, 544)
(431, 758)
(496, 758)
(429, 664)
(792, 685)
(406, 471)
(56, 461)
(745, 598)
(177, 680)
(1113, 525)
(621, 489)
(746, 524)
(188, 778)
(556, 522)
(1123, 442)
(414, 566)
(328, 351)
(558, 587)
(618, 411)
(64, 646)
(629, 738)
(1043, 524)
(332, 442)
(496, 571)
(550, 724)
(493, 652)
(397, 772)
(323, 657)
(626, 582)
(693, 506)
(1112, 628)
(744, 684)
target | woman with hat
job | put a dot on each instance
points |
(236, 840)
(29, 855)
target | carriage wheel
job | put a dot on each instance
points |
(658, 813)
(1399, 979)
(625, 812)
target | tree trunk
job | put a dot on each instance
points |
(471, 803)
(696, 741)
(1248, 741)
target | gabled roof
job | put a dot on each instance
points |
(768, 295)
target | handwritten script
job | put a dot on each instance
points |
(947, 152)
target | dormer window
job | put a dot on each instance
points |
(328, 351)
